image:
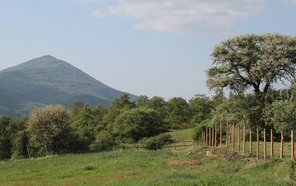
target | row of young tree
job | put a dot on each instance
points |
(54, 129)
(254, 62)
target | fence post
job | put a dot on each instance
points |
(210, 136)
(203, 137)
(292, 144)
(257, 151)
(215, 141)
(232, 138)
(206, 136)
(227, 135)
(282, 145)
(221, 134)
(271, 143)
(264, 133)
(238, 138)
(213, 136)
(251, 145)
(244, 140)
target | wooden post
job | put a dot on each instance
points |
(206, 136)
(264, 134)
(203, 138)
(213, 136)
(215, 141)
(292, 144)
(244, 140)
(257, 147)
(227, 135)
(28, 152)
(232, 138)
(282, 145)
(271, 143)
(210, 136)
(221, 134)
(251, 145)
(238, 139)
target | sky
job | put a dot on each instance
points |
(144, 47)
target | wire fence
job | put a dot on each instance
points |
(259, 143)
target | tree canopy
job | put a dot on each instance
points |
(252, 61)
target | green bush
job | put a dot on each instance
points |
(156, 142)
(132, 125)
(20, 144)
(49, 128)
(104, 141)
(199, 128)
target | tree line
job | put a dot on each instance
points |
(54, 129)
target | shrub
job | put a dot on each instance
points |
(156, 142)
(199, 128)
(135, 124)
(104, 141)
(50, 128)
(20, 144)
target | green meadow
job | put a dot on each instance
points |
(169, 166)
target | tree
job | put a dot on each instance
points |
(5, 140)
(282, 114)
(238, 110)
(256, 61)
(118, 106)
(50, 128)
(159, 104)
(13, 138)
(178, 113)
(142, 101)
(86, 122)
(135, 124)
(201, 108)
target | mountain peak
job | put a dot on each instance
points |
(48, 80)
(48, 57)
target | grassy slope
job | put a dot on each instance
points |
(141, 167)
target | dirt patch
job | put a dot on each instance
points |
(188, 163)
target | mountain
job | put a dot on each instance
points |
(48, 80)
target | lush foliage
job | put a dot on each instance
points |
(50, 129)
(135, 124)
(251, 60)
(156, 142)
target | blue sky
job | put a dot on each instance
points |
(146, 47)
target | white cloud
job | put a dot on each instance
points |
(183, 16)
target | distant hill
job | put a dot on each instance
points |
(48, 80)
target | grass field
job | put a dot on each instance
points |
(187, 166)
